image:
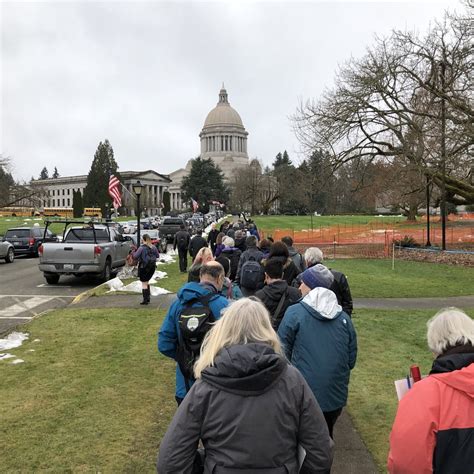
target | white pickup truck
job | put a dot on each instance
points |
(87, 249)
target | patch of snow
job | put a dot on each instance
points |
(114, 284)
(14, 339)
(36, 340)
(136, 287)
(6, 356)
(158, 276)
(31, 350)
(17, 361)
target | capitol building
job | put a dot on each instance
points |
(223, 139)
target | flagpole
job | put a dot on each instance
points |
(134, 197)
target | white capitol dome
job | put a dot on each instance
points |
(223, 137)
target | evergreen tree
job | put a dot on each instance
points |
(77, 204)
(204, 183)
(6, 183)
(44, 173)
(103, 165)
(55, 173)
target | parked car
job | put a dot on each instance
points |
(26, 240)
(7, 251)
(170, 226)
(95, 249)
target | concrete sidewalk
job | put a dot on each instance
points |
(118, 300)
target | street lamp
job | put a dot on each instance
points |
(137, 189)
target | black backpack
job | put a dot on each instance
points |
(194, 323)
(182, 241)
(251, 275)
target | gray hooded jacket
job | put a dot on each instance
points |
(251, 410)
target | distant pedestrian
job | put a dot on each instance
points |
(340, 285)
(229, 289)
(294, 254)
(233, 254)
(320, 341)
(212, 237)
(203, 256)
(146, 255)
(280, 250)
(197, 243)
(181, 242)
(264, 246)
(434, 427)
(276, 295)
(254, 231)
(250, 275)
(219, 245)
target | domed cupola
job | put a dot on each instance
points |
(223, 136)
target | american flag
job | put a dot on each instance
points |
(195, 205)
(114, 191)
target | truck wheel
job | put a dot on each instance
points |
(52, 279)
(107, 272)
(10, 256)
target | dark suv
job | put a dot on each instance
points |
(26, 240)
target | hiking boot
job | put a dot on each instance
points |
(145, 299)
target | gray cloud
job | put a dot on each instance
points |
(145, 74)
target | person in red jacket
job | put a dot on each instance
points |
(434, 427)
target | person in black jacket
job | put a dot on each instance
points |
(252, 411)
(197, 243)
(280, 250)
(212, 237)
(340, 285)
(252, 253)
(181, 242)
(233, 254)
(276, 294)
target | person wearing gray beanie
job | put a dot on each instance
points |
(320, 341)
(317, 276)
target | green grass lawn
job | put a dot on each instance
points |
(389, 342)
(95, 395)
(376, 279)
(270, 223)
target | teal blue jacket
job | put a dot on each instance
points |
(169, 331)
(320, 341)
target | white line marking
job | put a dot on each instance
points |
(24, 306)
(46, 285)
(32, 296)
(15, 317)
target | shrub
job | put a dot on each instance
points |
(406, 241)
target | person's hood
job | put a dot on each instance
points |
(292, 251)
(462, 379)
(230, 249)
(245, 369)
(285, 261)
(323, 302)
(275, 290)
(192, 291)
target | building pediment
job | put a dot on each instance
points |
(145, 175)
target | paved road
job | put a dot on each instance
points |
(24, 292)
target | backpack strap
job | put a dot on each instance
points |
(280, 304)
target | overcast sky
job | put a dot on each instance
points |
(145, 74)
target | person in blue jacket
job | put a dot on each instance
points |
(211, 281)
(319, 340)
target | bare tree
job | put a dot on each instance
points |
(409, 99)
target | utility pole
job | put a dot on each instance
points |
(443, 155)
(428, 243)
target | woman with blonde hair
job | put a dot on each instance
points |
(203, 256)
(252, 411)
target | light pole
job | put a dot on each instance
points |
(137, 189)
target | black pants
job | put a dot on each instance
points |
(331, 417)
(183, 259)
(178, 400)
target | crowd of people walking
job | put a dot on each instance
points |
(264, 344)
